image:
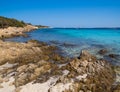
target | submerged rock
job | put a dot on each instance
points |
(102, 51)
(68, 45)
(114, 56)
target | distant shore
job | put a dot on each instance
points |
(15, 31)
(88, 28)
(10, 27)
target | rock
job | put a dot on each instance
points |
(87, 74)
(32, 71)
(39, 70)
(36, 62)
(1, 86)
(85, 55)
(103, 51)
(117, 88)
(54, 42)
(18, 89)
(11, 84)
(81, 91)
(57, 57)
(32, 41)
(32, 66)
(21, 68)
(68, 45)
(1, 79)
(113, 55)
(21, 79)
(15, 31)
(6, 80)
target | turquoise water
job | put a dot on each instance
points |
(72, 41)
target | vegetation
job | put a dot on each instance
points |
(6, 22)
(41, 26)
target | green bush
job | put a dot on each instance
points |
(6, 22)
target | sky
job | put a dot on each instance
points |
(64, 13)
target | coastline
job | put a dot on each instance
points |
(15, 31)
(34, 65)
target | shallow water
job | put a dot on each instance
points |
(72, 40)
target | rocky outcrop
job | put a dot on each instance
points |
(26, 62)
(86, 74)
(15, 31)
(31, 71)
(33, 66)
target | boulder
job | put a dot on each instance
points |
(84, 55)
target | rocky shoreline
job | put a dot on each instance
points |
(16, 31)
(37, 67)
(33, 66)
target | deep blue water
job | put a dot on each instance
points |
(72, 41)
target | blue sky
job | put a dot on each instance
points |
(64, 13)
